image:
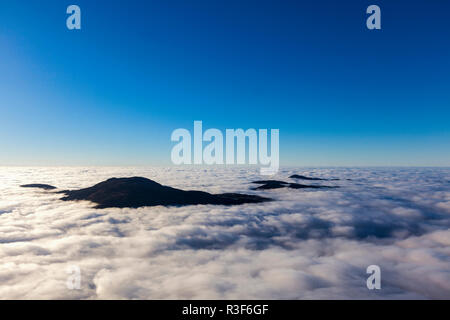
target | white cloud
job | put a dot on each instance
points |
(306, 244)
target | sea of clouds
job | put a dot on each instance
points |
(308, 244)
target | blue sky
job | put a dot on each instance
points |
(113, 92)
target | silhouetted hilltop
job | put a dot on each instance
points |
(39, 186)
(296, 176)
(275, 184)
(141, 192)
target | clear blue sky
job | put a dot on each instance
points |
(112, 93)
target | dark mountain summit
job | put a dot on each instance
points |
(141, 192)
(296, 176)
(39, 186)
(275, 184)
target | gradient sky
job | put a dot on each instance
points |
(112, 93)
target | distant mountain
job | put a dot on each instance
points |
(296, 176)
(275, 184)
(39, 186)
(140, 192)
